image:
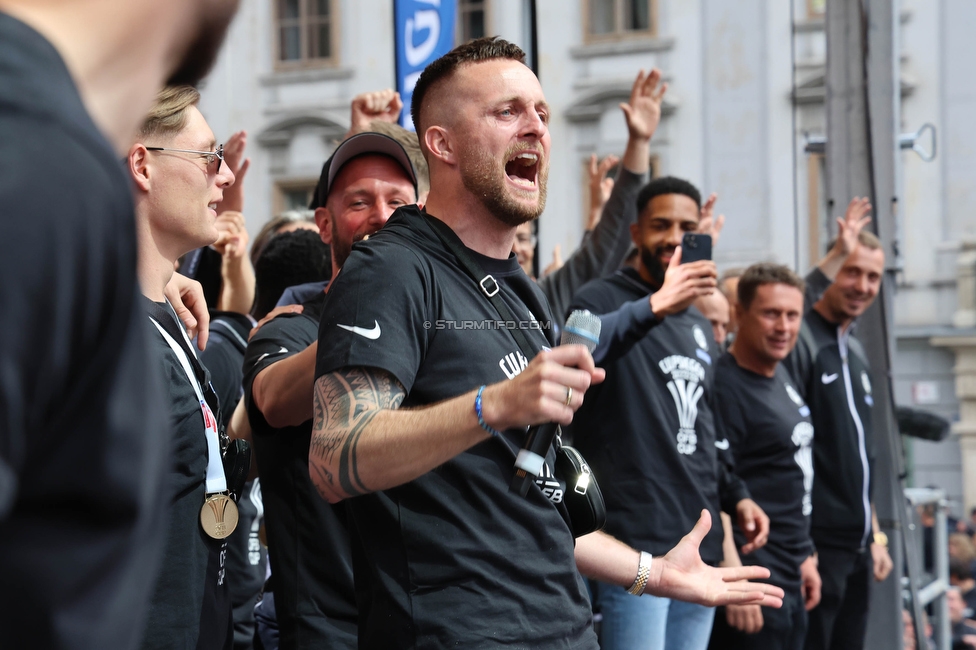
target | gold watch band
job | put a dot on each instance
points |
(881, 538)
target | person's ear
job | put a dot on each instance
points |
(138, 163)
(440, 144)
(323, 219)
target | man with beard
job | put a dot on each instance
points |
(650, 432)
(84, 442)
(366, 179)
(419, 416)
(831, 373)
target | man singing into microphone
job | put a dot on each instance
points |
(420, 408)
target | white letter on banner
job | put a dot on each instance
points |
(430, 20)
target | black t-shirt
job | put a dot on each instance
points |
(452, 558)
(190, 607)
(308, 541)
(83, 433)
(770, 435)
(649, 430)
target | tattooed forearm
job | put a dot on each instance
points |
(345, 403)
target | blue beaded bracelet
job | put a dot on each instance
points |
(481, 419)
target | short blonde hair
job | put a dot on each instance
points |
(168, 114)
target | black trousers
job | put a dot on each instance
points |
(783, 629)
(840, 621)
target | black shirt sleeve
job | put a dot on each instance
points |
(274, 342)
(622, 325)
(374, 320)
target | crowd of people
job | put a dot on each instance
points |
(311, 444)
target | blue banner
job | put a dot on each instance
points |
(424, 32)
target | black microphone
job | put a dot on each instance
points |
(582, 328)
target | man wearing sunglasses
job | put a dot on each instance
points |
(178, 179)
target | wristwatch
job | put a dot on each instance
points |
(881, 538)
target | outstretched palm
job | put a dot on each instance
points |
(683, 576)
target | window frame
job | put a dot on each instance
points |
(304, 22)
(458, 36)
(619, 34)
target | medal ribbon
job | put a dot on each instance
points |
(216, 481)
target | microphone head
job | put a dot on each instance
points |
(582, 328)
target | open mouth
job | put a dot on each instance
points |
(523, 169)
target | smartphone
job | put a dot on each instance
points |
(695, 247)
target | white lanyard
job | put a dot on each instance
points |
(216, 481)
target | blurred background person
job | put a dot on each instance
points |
(84, 445)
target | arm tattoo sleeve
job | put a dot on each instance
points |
(346, 402)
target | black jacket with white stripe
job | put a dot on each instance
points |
(832, 374)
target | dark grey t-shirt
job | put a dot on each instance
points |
(84, 436)
(452, 558)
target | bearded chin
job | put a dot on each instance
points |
(652, 262)
(482, 178)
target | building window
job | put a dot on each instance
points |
(293, 195)
(472, 20)
(615, 19)
(306, 32)
(816, 8)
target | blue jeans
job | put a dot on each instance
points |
(648, 622)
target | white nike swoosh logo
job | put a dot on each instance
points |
(828, 379)
(722, 444)
(371, 334)
(264, 356)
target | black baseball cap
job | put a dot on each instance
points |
(352, 147)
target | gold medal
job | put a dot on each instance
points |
(218, 516)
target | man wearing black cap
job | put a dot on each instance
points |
(366, 179)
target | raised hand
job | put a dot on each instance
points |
(643, 111)
(384, 105)
(849, 227)
(600, 187)
(233, 200)
(708, 223)
(683, 283)
(556, 263)
(682, 575)
(232, 239)
(848, 230)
